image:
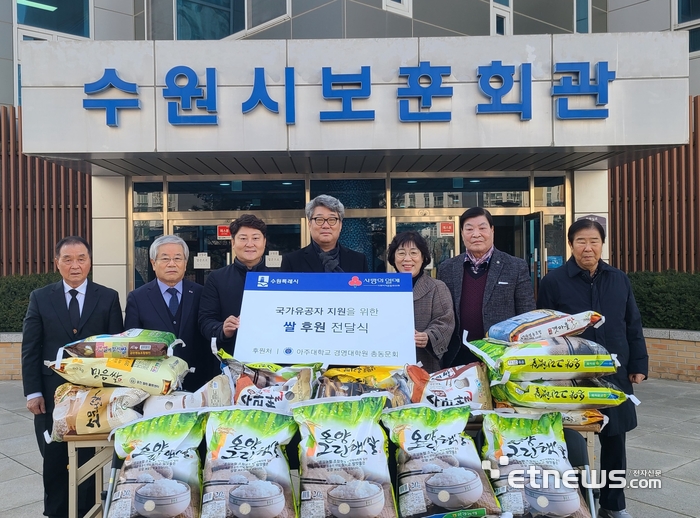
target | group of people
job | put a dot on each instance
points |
(473, 291)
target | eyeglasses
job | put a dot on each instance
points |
(320, 221)
(414, 253)
(166, 260)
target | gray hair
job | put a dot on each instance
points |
(168, 240)
(324, 200)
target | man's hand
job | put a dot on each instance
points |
(636, 378)
(421, 339)
(230, 325)
(36, 405)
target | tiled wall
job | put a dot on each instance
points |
(10, 356)
(673, 355)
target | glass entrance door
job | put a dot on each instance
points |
(441, 233)
(534, 248)
(283, 236)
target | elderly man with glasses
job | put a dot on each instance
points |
(325, 216)
(171, 303)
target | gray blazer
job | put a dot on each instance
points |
(508, 292)
(433, 314)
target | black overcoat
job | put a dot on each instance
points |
(571, 290)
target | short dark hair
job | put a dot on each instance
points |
(250, 221)
(582, 224)
(72, 240)
(475, 212)
(410, 236)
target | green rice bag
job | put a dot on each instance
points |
(246, 470)
(161, 471)
(536, 448)
(343, 465)
(439, 469)
(561, 395)
(561, 358)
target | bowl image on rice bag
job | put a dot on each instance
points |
(257, 499)
(552, 501)
(357, 499)
(163, 498)
(454, 488)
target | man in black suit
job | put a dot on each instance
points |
(171, 303)
(325, 217)
(69, 310)
(223, 292)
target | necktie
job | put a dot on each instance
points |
(74, 310)
(173, 304)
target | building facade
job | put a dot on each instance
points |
(533, 184)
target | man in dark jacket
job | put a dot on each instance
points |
(69, 310)
(220, 306)
(325, 216)
(585, 283)
(171, 303)
(487, 285)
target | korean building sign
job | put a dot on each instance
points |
(288, 96)
(190, 103)
(337, 318)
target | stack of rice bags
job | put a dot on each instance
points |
(536, 362)
(109, 376)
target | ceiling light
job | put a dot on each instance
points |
(224, 184)
(412, 181)
(37, 5)
(286, 183)
(474, 181)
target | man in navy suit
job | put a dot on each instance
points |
(69, 310)
(171, 303)
(325, 216)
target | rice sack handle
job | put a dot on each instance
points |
(133, 343)
(531, 445)
(154, 376)
(561, 395)
(343, 465)
(246, 473)
(562, 358)
(82, 410)
(439, 469)
(543, 323)
(160, 477)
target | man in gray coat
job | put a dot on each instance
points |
(487, 285)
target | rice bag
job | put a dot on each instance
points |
(396, 385)
(246, 473)
(215, 393)
(571, 417)
(133, 343)
(561, 358)
(82, 410)
(535, 446)
(160, 476)
(343, 465)
(561, 394)
(439, 469)
(466, 384)
(543, 323)
(154, 376)
(276, 396)
(374, 376)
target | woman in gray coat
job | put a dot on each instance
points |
(432, 303)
